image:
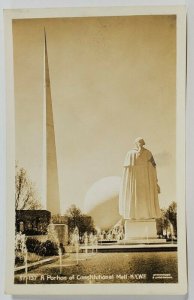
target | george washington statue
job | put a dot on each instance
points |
(138, 198)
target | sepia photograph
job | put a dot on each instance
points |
(98, 114)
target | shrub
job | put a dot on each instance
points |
(41, 250)
(51, 248)
(19, 260)
(47, 248)
(33, 245)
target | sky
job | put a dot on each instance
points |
(112, 79)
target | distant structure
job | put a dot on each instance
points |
(97, 202)
(37, 222)
(32, 222)
(50, 170)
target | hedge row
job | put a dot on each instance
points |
(47, 248)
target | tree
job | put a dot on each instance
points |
(59, 219)
(162, 223)
(25, 193)
(77, 219)
(168, 217)
(171, 215)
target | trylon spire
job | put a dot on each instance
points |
(50, 155)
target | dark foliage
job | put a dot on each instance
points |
(47, 248)
(19, 260)
(169, 216)
(83, 222)
(33, 245)
(51, 248)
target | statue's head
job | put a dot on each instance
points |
(139, 142)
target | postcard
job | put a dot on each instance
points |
(96, 151)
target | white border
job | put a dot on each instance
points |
(97, 289)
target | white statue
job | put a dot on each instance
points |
(138, 197)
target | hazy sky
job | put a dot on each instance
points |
(112, 80)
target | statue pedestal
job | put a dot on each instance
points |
(140, 229)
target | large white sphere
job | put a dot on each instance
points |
(102, 202)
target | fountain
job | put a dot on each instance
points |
(75, 242)
(91, 240)
(21, 251)
(101, 237)
(60, 260)
(95, 242)
(86, 242)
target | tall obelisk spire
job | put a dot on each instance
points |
(50, 160)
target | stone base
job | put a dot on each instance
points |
(140, 229)
(149, 241)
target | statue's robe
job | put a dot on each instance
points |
(138, 198)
